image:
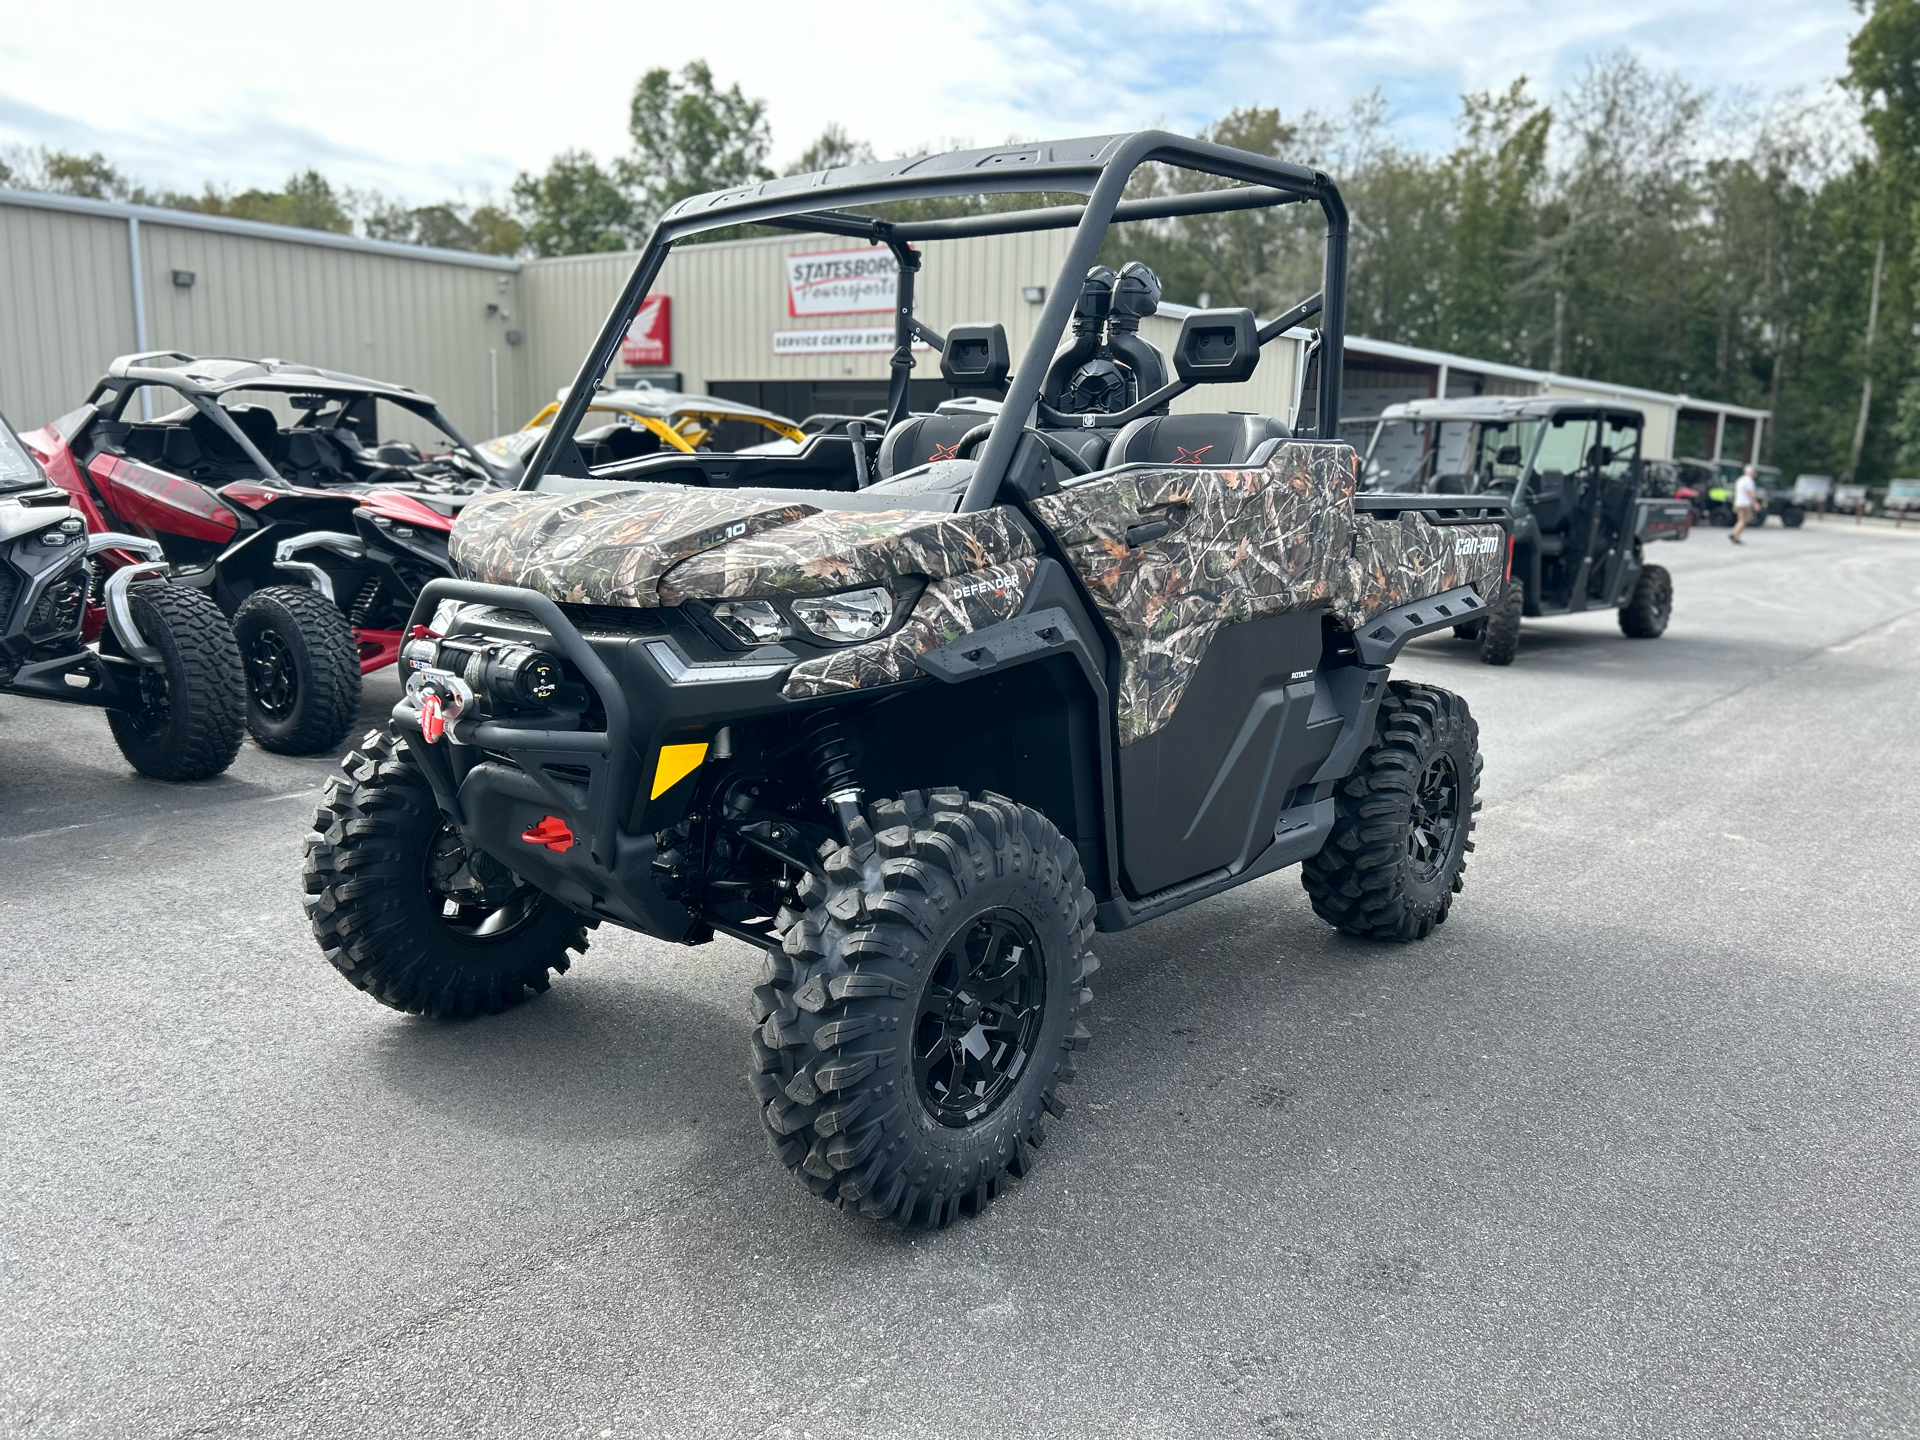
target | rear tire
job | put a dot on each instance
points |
(303, 669)
(1500, 631)
(382, 869)
(194, 706)
(1793, 517)
(1403, 820)
(914, 1028)
(1645, 615)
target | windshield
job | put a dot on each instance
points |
(18, 470)
(1450, 457)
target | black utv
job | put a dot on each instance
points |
(164, 664)
(920, 707)
(1585, 506)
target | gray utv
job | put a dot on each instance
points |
(1584, 506)
(919, 707)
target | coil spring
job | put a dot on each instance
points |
(363, 603)
(830, 752)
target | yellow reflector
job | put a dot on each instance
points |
(676, 763)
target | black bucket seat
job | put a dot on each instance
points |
(1197, 440)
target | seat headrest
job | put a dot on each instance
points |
(1194, 439)
(920, 438)
(976, 355)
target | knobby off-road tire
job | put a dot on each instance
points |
(1645, 615)
(859, 1014)
(1403, 820)
(377, 869)
(194, 703)
(303, 669)
(1500, 631)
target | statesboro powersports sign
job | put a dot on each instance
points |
(842, 282)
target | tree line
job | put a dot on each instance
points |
(1631, 228)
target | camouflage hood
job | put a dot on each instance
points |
(617, 547)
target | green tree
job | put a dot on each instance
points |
(574, 209)
(308, 201)
(690, 137)
(832, 149)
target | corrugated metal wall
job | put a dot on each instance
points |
(66, 310)
(415, 322)
(431, 319)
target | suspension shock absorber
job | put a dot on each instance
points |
(830, 751)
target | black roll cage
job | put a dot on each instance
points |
(1098, 167)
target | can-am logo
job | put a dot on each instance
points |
(1476, 544)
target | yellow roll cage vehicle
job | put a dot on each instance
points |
(643, 421)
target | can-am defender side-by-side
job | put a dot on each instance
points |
(921, 718)
(165, 667)
(288, 494)
(1584, 507)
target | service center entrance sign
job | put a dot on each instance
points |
(842, 282)
(836, 342)
(649, 340)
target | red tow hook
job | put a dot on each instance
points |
(433, 720)
(551, 832)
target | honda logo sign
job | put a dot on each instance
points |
(649, 340)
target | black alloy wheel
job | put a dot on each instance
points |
(271, 674)
(475, 897)
(979, 1019)
(1435, 817)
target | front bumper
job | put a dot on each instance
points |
(600, 770)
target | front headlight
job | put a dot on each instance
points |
(847, 618)
(753, 622)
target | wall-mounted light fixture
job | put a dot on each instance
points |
(1033, 294)
(183, 279)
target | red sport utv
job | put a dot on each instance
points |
(311, 506)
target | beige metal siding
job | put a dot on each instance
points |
(422, 323)
(66, 308)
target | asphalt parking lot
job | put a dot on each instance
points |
(1628, 1148)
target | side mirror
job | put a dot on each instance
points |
(1217, 347)
(976, 355)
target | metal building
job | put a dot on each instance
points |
(493, 339)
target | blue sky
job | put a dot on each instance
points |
(424, 99)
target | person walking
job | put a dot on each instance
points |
(1746, 498)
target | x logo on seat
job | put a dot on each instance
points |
(1184, 456)
(945, 452)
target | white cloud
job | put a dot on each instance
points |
(422, 99)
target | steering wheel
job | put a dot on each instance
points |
(1059, 449)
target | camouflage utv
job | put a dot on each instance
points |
(917, 711)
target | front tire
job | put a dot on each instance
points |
(1645, 615)
(1500, 631)
(913, 1030)
(303, 669)
(193, 704)
(408, 912)
(1403, 820)
(1793, 517)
